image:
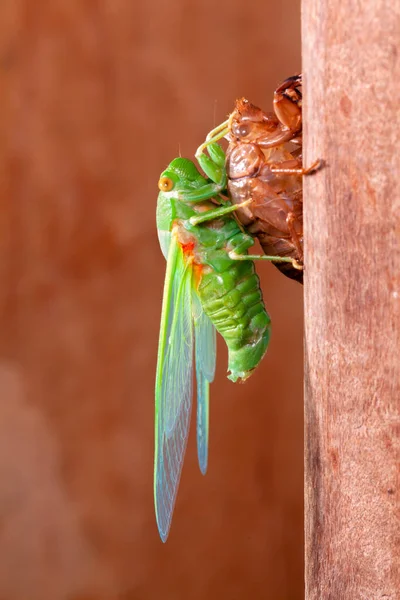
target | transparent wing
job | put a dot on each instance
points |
(173, 385)
(206, 353)
(164, 238)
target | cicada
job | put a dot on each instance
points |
(264, 165)
(210, 285)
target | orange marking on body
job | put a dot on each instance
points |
(187, 248)
(198, 273)
(188, 245)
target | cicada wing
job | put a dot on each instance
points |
(174, 382)
(164, 238)
(206, 354)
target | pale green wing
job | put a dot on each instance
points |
(164, 238)
(206, 354)
(173, 384)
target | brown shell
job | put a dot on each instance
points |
(259, 141)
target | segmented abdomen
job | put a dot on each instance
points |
(233, 301)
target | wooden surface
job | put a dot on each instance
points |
(97, 96)
(352, 298)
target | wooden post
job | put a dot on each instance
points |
(352, 297)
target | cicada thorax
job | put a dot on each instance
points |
(229, 290)
(258, 144)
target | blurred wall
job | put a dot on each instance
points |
(97, 96)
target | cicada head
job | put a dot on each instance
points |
(181, 174)
(248, 122)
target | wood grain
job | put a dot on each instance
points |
(352, 298)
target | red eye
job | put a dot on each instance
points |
(165, 184)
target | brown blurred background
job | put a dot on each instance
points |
(97, 96)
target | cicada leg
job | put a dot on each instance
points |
(290, 219)
(206, 192)
(213, 163)
(244, 241)
(287, 103)
(217, 133)
(233, 255)
(293, 167)
(218, 212)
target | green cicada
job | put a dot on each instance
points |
(210, 285)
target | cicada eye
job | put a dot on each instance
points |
(240, 129)
(165, 184)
